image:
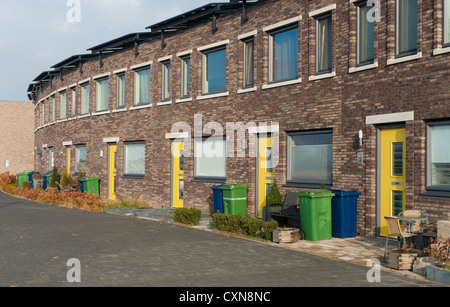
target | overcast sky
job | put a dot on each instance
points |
(37, 34)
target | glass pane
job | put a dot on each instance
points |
(166, 81)
(248, 63)
(181, 189)
(269, 161)
(397, 159)
(366, 35)
(324, 44)
(85, 100)
(135, 159)
(62, 109)
(440, 155)
(285, 55)
(102, 95)
(80, 158)
(397, 202)
(407, 26)
(181, 166)
(185, 77)
(121, 91)
(210, 158)
(143, 87)
(216, 71)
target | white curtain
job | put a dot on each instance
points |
(210, 158)
(324, 44)
(286, 55)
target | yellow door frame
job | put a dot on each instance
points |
(112, 171)
(392, 174)
(264, 169)
(177, 174)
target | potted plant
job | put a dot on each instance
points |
(402, 258)
(439, 251)
(55, 178)
(274, 201)
(65, 180)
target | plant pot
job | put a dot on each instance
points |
(401, 260)
(286, 235)
(38, 183)
(438, 274)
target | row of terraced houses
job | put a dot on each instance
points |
(348, 94)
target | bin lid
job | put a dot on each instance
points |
(93, 178)
(234, 186)
(346, 192)
(315, 193)
(82, 179)
(216, 186)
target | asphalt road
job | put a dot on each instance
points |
(36, 242)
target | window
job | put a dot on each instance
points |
(53, 108)
(446, 23)
(134, 157)
(80, 158)
(248, 62)
(142, 86)
(74, 102)
(102, 86)
(214, 71)
(210, 158)
(310, 156)
(406, 27)
(120, 91)
(48, 112)
(51, 158)
(438, 156)
(324, 43)
(365, 35)
(165, 81)
(43, 113)
(185, 77)
(62, 105)
(283, 54)
(85, 99)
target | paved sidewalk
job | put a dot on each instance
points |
(356, 250)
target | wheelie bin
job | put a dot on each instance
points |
(218, 198)
(343, 213)
(234, 199)
(21, 177)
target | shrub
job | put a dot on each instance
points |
(440, 251)
(27, 184)
(7, 178)
(245, 225)
(8, 187)
(274, 196)
(65, 181)
(188, 216)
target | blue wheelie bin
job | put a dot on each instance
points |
(218, 198)
(343, 213)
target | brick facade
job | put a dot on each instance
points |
(342, 102)
(16, 136)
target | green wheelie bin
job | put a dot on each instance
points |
(315, 214)
(92, 185)
(234, 198)
(21, 177)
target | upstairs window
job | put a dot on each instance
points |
(102, 95)
(120, 91)
(185, 77)
(165, 81)
(62, 105)
(142, 86)
(365, 35)
(324, 43)
(406, 27)
(214, 71)
(85, 99)
(249, 47)
(283, 54)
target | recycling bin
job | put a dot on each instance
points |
(82, 182)
(91, 185)
(30, 176)
(21, 177)
(234, 198)
(343, 213)
(218, 198)
(315, 214)
(48, 179)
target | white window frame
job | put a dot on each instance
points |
(125, 170)
(63, 104)
(121, 92)
(85, 93)
(165, 80)
(99, 99)
(137, 71)
(185, 77)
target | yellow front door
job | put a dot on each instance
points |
(112, 170)
(68, 159)
(265, 172)
(177, 174)
(392, 174)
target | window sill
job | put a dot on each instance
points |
(83, 116)
(322, 76)
(439, 51)
(101, 113)
(119, 110)
(435, 193)
(246, 90)
(282, 83)
(305, 185)
(209, 180)
(362, 68)
(133, 176)
(164, 103)
(407, 58)
(224, 94)
(183, 100)
(138, 107)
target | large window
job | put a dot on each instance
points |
(142, 86)
(283, 54)
(102, 95)
(214, 71)
(80, 158)
(324, 43)
(210, 158)
(185, 77)
(62, 105)
(120, 91)
(406, 27)
(134, 159)
(85, 99)
(310, 157)
(365, 35)
(438, 156)
(446, 23)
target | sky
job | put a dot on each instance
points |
(37, 34)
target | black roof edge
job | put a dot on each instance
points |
(74, 59)
(122, 41)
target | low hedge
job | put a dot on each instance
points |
(188, 216)
(245, 225)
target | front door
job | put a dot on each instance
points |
(177, 174)
(112, 170)
(392, 174)
(265, 172)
